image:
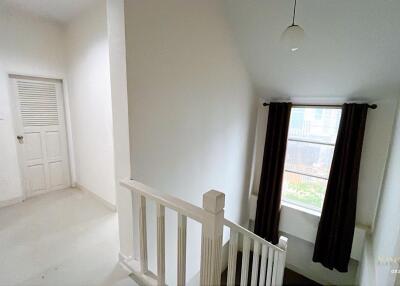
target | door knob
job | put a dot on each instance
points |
(20, 139)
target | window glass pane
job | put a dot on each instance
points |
(315, 124)
(309, 158)
(309, 153)
(303, 190)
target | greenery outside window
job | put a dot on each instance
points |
(311, 143)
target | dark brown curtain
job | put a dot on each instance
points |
(269, 194)
(336, 226)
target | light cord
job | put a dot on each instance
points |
(294, 11)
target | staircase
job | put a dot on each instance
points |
(267, 263)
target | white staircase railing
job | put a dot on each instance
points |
(267, 271)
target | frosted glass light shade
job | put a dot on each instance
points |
(293, 38)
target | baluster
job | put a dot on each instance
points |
(233, 244)
(282, 258)
(263, 268)
(275, 268)
(182, 222)
(211, 240)
(269, 268)
(135, 198)
(245, 261)
(256, 259)
(143, 235)
(160, 244)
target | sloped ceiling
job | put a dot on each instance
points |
(352, 47)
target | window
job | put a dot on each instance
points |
(309, 153)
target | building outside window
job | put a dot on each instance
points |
(311, 142)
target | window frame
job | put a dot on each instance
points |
(305, 174)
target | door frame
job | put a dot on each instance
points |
(18, 127)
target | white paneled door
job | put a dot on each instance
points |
(41, 134)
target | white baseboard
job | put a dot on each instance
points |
(11, 202)
(107, 204)
(133, 267)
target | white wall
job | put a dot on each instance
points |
(90, 101)
(28, 46)
(385, 241)
(191, 110)
(119, 97)
(366, 269)
(378, 135)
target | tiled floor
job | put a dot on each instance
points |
(60, 238)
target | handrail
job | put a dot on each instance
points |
(181, 206)
(187, 209)
(270, 257)
(252, 235)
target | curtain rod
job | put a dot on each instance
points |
(372, 106)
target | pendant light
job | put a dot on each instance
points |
(293, 37)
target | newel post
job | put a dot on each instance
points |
(282, 258)
(211, 240)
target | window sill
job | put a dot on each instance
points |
(301, 209)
